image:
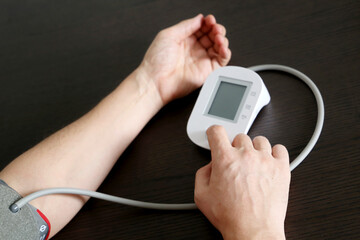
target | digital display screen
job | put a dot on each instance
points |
(227, 100)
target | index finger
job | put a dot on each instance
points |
(218, 140)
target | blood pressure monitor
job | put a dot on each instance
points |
(231, 97)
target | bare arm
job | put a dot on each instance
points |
(82, 154)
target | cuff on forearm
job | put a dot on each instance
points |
(28, 223)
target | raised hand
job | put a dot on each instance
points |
(182, 56)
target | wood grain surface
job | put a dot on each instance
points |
(59, 58)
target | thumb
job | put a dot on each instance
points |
(203, 176)
(187, 27)
(202, 180)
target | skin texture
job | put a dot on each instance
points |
(244, 190)
(177, 62)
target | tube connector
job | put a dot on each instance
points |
(14, 208)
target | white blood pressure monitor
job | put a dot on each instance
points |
(231, 97)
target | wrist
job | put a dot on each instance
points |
(132, 104)
(146, 84)
(146, 87)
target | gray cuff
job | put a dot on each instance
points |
(28, 224)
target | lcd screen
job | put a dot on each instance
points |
(227, 100)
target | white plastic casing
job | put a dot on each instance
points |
(256, 96)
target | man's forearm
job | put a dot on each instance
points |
(82, 154)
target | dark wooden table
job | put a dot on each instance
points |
(59, 58)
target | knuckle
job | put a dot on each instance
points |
(260, 139)
(196, 193)
(233, 169)
(241, 136)
(198, 201)
(226, 41)
(281, 149)
(198, 196)
(229, 53)
(222, 29)
(199, 172)
(236, 137)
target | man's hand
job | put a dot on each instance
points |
(244, 190)
(182, 56)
